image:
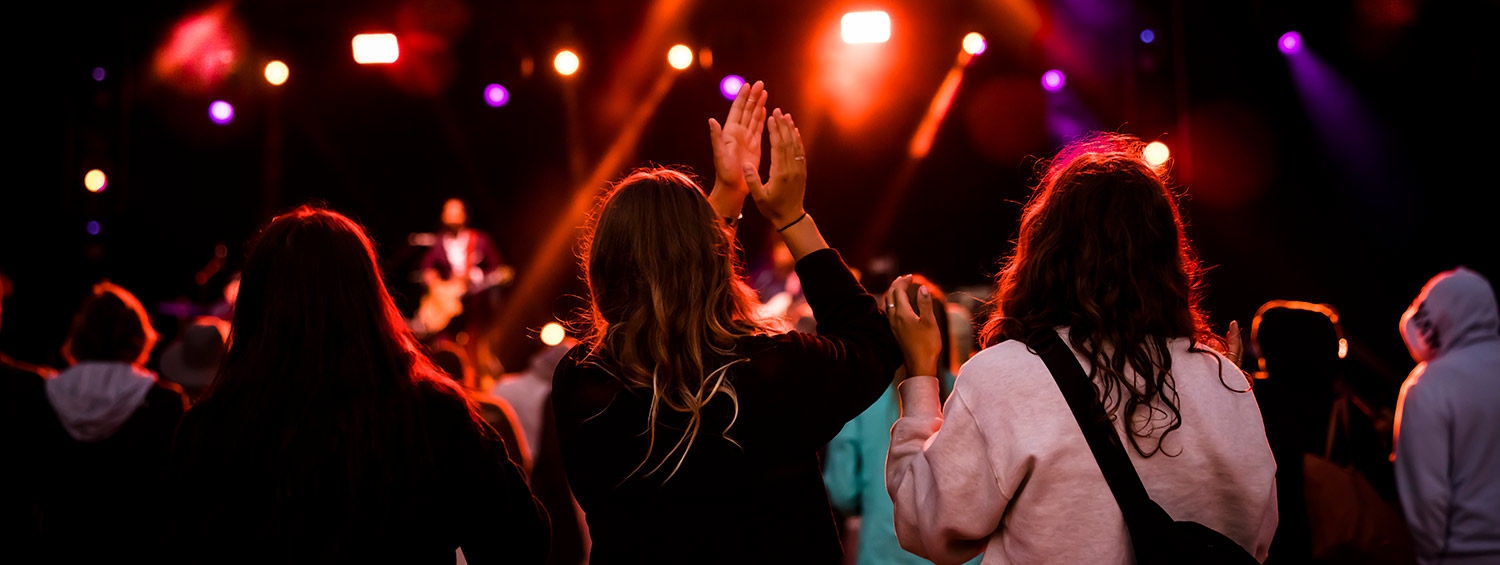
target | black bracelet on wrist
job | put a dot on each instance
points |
(794, 222)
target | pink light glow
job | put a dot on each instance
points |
(1053, 80)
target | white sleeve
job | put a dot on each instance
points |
(947, 499)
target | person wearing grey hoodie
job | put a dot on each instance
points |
(1448, 421)
(104, 435)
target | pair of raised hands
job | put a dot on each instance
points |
(737, 152)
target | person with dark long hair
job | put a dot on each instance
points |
(1103, 260)
(690, 432)
(329, 436)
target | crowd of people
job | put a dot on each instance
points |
(1090, 414)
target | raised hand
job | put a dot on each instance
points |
(737, 141)
(916, 329)
(780, 200)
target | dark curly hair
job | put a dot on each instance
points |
(1102, 250)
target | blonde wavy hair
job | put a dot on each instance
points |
(667, 301)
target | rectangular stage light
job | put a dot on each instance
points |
(376, 48)
(866, 27)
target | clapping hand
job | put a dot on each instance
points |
(780, 200)
(737, 141)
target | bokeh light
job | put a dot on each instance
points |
(680, 57)
(553, 333)
(1290, 42)
(98, 74)
(496, 95)
(277, 72)
(1147, 36)
(865, 27)
(376, 48)
(1053, 80)
(974, 43)
(221, 112)
(1156, 153)
(566, 62)
(730, 86)
(95, 180)
(92, 227)
(706, 58)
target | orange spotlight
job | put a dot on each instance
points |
(376, 48)
(866, 27)
(706, 58)
(566, 62)
(1156, 153)
(276, 72)
(553, 333)
(680, 57)
(974, 43)
(95, 180)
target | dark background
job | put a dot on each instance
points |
(1273, 209)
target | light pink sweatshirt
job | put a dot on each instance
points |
(1004, 469)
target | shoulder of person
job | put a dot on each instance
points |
(1001, 371)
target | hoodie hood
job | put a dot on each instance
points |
(1456, 308)
(93, 399)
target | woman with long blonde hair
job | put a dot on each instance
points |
(690, 432)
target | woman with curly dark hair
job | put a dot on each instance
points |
(1103, 261)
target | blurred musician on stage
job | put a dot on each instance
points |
(463, 272)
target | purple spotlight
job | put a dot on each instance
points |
(1053, 80)
(98, 74)
(496, 95)
(93, 228)
(220, 112)
(1290, 42)
(730, 86)
(1147, 36)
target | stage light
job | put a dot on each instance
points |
(1053, 80)
(566, 62)
(1156, 153)
(376, 48)
(277, 72)
(706, 58)
(1147, 36)
(553, 333)
(98, 74)
(974, 44)
(95, 180)
(92, 227)
(730, 86)
(496, 95)
(866, 27)
(221, 112)
(1290, 42)
(680, 57)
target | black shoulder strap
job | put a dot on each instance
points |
(1148, 523)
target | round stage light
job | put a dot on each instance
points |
(1156, 153)
(566, 62)
(277, 72)
(730, 86)
(1147, 36)
(92, 227)
(974, 43)
(1053, 80)
(496, 95)
(98, 74)
(95, 180)
(221, 112)
(1290, 42)
(680, 57)
(553, 333)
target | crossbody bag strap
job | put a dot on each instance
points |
(1148, 523)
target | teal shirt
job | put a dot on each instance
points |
(854, 471)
